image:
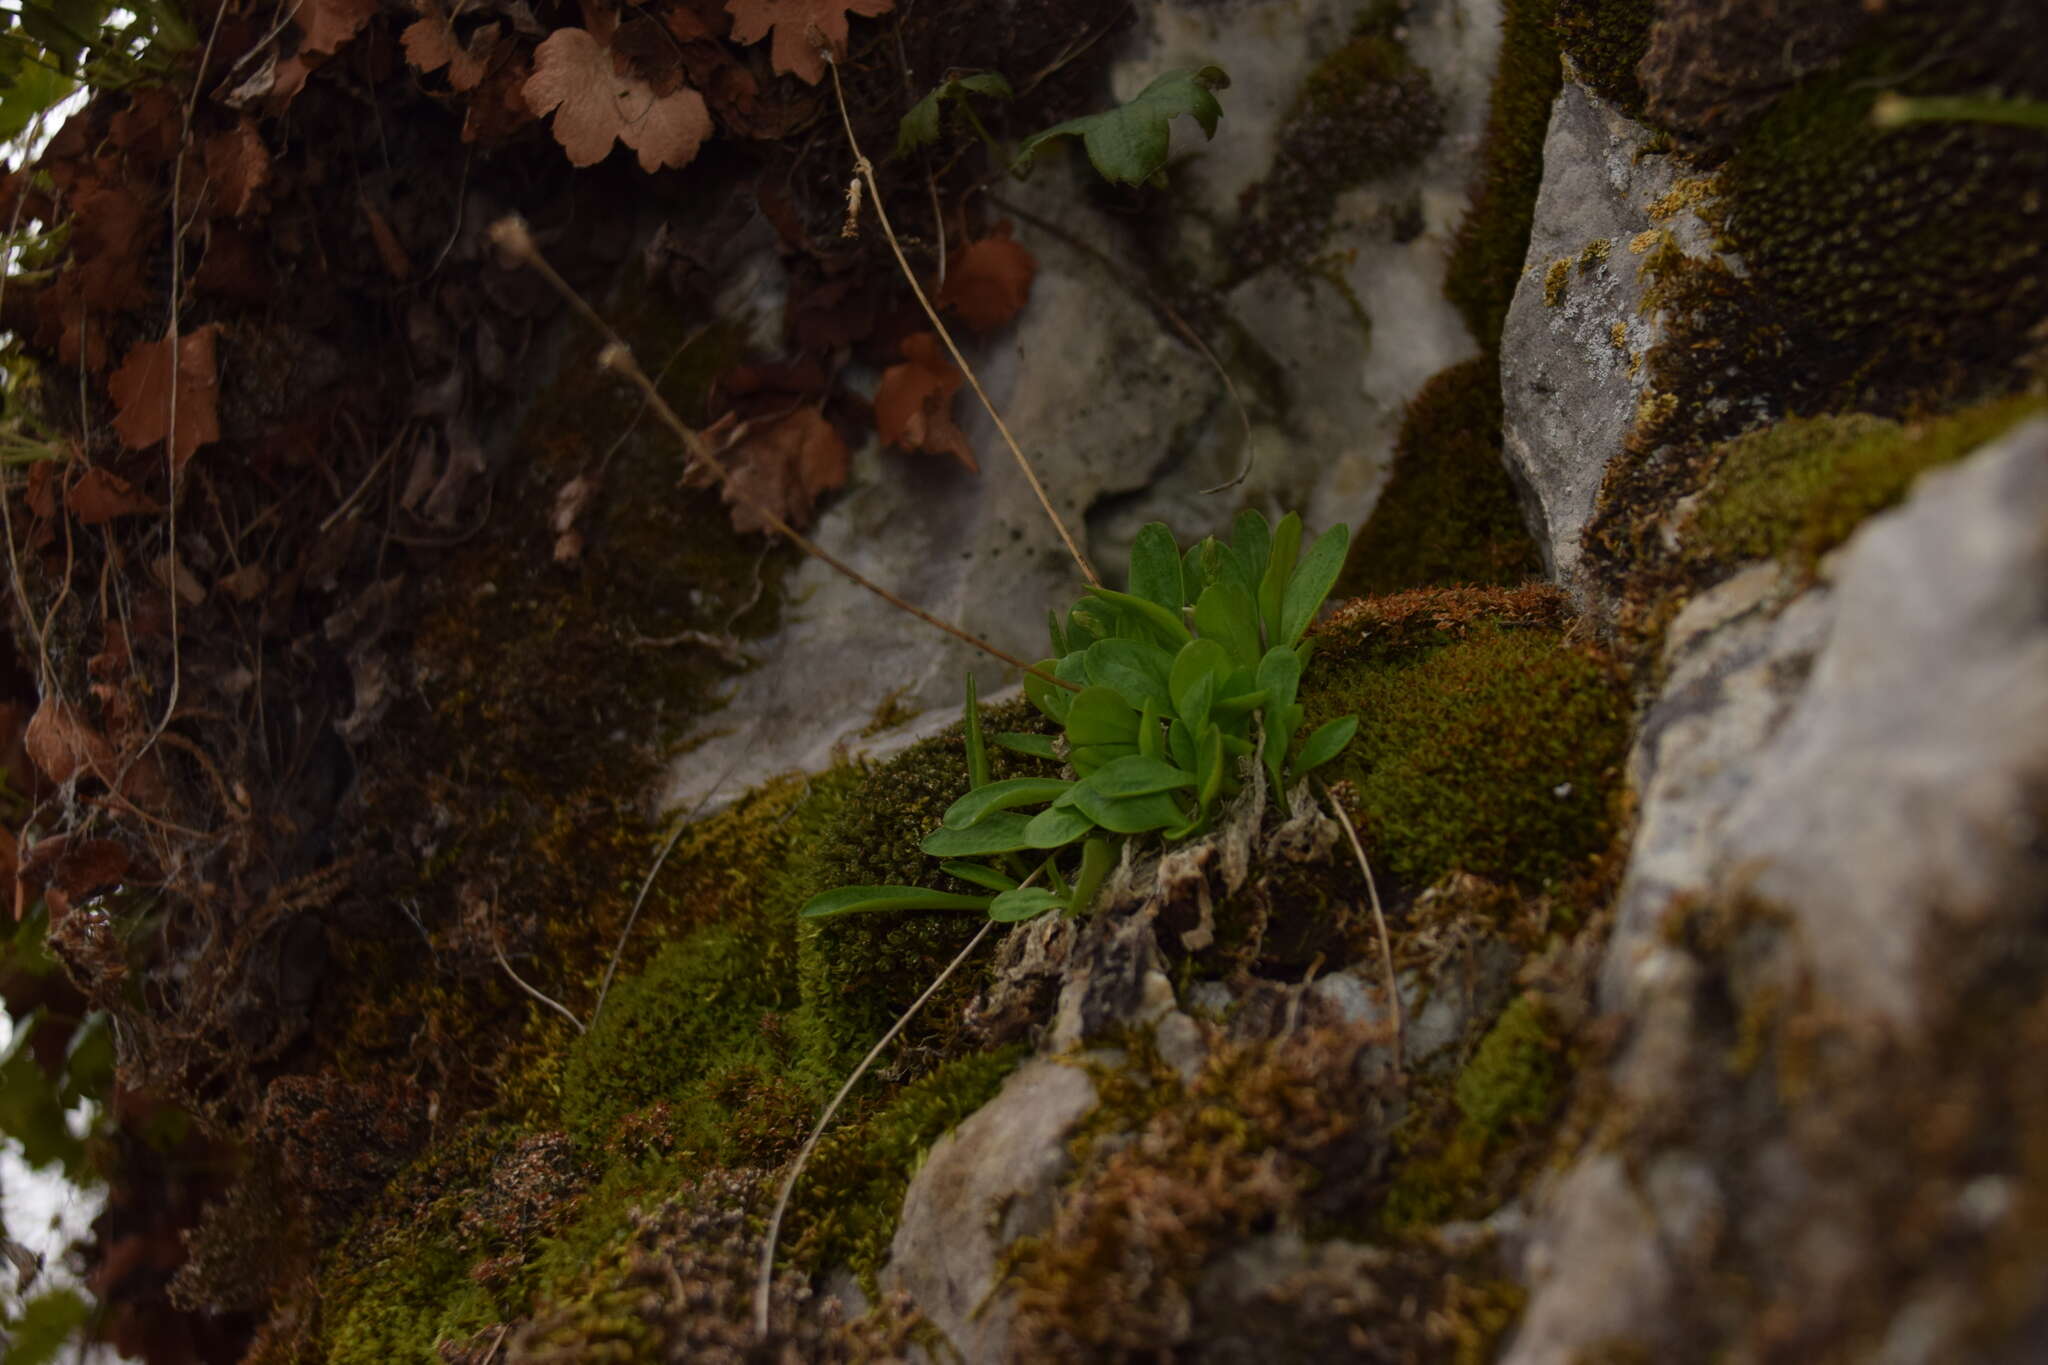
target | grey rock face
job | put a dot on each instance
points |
(1571, 350)
(1863, 764)
(985, 1184)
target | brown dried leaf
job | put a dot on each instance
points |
(430, 45)
(327, 24)
(988, 281)
(781, 462)
(574, 77)
(141, 390)
(72, 865)
(237, 167)
(99, 495)
(799, 26)
(61, 745)
(914, 405)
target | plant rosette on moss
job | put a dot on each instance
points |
(1159, 692)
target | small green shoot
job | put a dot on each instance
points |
(1128, 144)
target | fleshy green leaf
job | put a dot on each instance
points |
(1052, 701)
(1099, 716)
(1128, 144)
(848, 900)
(1325, 744)
(1151, 741)
(1128, 814)
(1037, 746)
(1057, 827)
(1135, 670)
(1052, 628)
(1224, 613)
(1086, 758)
(982, 802)
(1181, 744)
(1313, 579)
(1252, 538)
(1155, 567)
(998, 832)
(1167, 625)
(980, 874)
(1138, 776)
(977, 751)
(1280, 675)
(1209, 768)
(1095, 863)
(1197, 701)
(1279, 572)
(1024, 902)
(1197, 658)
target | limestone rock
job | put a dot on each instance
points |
(987, 1183)
(1571, 350)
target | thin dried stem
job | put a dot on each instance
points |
(557, 1006)
(766, 1280)
(867, 173)
(1379, 919)
(512, 237)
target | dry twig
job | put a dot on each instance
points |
(1379, 919)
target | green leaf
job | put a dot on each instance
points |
(1279, 573)
(1052, 701)
(1252, 539)
(46, 1326)
(1095, 863)
(1135, 670)
(1313, 579)
(1167, 625)
(1037, 746)
(1325, 744)
(922, 124)
(1195, 705)
(982, 802)
(1024, 902)
(1244, 703)
(1099, 716)
(1128, 144)
(1059, 637)
(1280, 675)
(998, 832)
(1137, 776)
(1225, 614)
(1155, 567)
(1181, 744)
(1197, 659)
(980, 874)
(849, 900)
(35, 88)
(1128, 814)
(1208, 768)
(1086, 758)
(1057, 827)
(977, 751)
(1192, 579)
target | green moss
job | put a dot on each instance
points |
(1495, 752)
(1911, 262)
(695, 1011)
(1605, 40)
(1486, 262)
(1802, 486)
(1448, 513)
(1509, 1087)
(846, 1209)
(859, 972)
(1363, 112)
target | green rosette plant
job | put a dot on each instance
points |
(1160, 691)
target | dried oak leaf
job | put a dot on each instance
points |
(988, 281)
(799, 25)
(575, 78)
(100, 495)
(781, 463)
(141, 390)
(68, 867)
(60, 744)
(914, 404)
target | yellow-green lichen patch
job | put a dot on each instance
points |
(1363, 112)
(1455, 1137)
(1486, 261)
(1605, 40)
(1448, 513)
(1556, 280)
(859, 972)
(1484, 746)
(845, 1210)
(1800, 487)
